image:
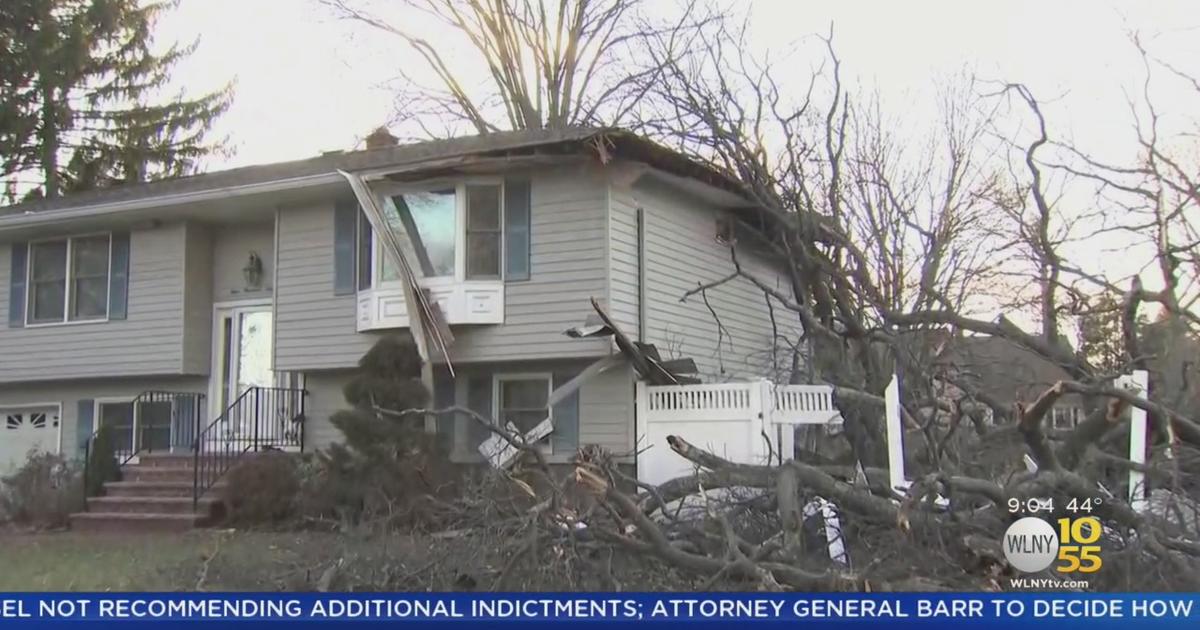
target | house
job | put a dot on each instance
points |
(230, 308)
(1009, 373)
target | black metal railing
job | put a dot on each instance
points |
(155, 421)
(261, 418)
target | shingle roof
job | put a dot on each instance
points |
(404, 154)
(1004, 369)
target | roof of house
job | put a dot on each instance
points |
(1003, 369)
(604, 142)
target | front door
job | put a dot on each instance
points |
(244, 342)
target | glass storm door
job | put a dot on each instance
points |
(244, 336)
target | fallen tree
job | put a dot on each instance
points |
(750, 530)
(899, 245)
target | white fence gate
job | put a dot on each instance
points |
(748, 423)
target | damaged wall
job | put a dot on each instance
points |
(682, 252)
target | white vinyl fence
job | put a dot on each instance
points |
(749, 423)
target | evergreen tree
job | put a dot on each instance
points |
(85, 102)
(386, 462)
(1100, 340)
(18, 111)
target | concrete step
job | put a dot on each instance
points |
(151, 505)
(155, 489)
(126, 523)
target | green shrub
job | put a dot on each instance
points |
(102, 464)
(43, 492)
(262, 489)
(387, 465)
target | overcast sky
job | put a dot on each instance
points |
(307, 82)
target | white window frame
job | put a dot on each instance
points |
(384, 192)
(69, 280)
(1070, 414)
(546, 447)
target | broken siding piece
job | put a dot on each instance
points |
(500, 453)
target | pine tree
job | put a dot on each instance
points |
(18, 112)
(85, 103)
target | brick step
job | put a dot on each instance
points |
(167, 460)
(151, 505)
(126, 523)
(156, 473)
(155, 489)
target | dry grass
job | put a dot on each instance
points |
(67, 561)
(227, 560)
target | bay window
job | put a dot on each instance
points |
(464, 239)
(69, 279)
(451, 232)
(430, 220)
(483, 232)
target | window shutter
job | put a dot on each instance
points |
(363, 246)
(565, 438)
(345, 257)
(16, 285)
(479, 400)
(443, 397)
(118, 281)
(85, 422)
(516, 229)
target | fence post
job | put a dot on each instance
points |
(895, 437)
(1137, 443)
(641, 410)
(760, 452)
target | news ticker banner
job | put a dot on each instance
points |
(961, 611)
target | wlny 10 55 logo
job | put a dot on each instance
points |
(1032, 545)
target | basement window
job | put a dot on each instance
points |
(521, 399)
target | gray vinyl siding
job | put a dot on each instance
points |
(568, 266)
(314, 329)
(606, 412)
(682, 253)
(605, 404)
(197, 300)
(69, 393)
(148, 342)
(324, 398)
(232, 245)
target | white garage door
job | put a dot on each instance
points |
(26, 429)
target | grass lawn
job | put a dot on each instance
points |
(200, 560)
(228, 560)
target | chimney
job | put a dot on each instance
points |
(381, 138)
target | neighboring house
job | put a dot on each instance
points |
(1009, 373)
(252, 293)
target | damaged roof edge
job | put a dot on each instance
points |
(323, 170)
